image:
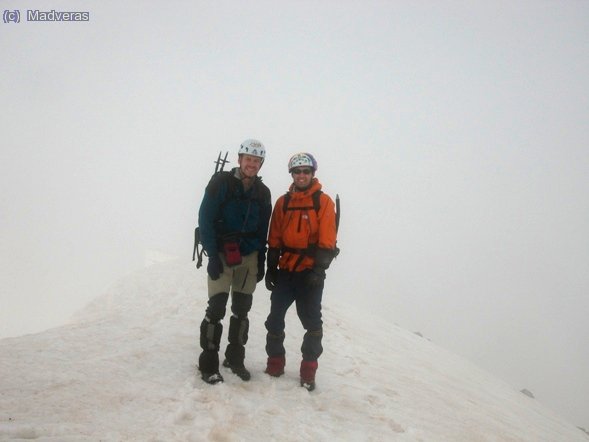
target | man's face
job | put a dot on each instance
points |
(249, 165)
(302, 176)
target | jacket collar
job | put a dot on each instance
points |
(296, 195)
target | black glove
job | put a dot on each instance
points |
(272, 273)
(315, 277)
(323, 258)
(261, 263)
(271, 276)
(273, 257)
(214, 267)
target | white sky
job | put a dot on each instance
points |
(455, 133)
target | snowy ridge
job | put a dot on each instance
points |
(124, 369)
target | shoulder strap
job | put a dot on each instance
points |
(316, 196)
(216, 179)
(261, 193)
(285, 202)
(317, 200)
(225, 176)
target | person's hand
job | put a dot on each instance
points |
(214, 267)
(271, 276)
(315, 277)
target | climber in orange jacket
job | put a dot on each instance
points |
(301, 246)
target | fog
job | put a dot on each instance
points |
(455, 134)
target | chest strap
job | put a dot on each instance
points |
(309, 251)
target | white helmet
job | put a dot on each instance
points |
(253, 147)
(302, 159)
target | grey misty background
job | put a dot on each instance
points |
(456, 135)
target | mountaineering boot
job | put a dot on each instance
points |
(240, 370)
(275, 365)
(235, 353)
(211, 330)
(308, 370)
(208, 361)
(211, 378)
(208, 364)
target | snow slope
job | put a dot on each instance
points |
(124, 369)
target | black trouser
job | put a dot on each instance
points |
(291, 287)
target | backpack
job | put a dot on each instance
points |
(216, 180)
(316, 196)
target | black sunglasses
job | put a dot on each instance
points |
(305, 171)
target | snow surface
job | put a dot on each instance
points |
(124, 369)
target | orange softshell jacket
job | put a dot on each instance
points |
(301, 227)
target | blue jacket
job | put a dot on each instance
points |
(228, 209)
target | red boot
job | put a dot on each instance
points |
(275, 365)
(308, 370)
